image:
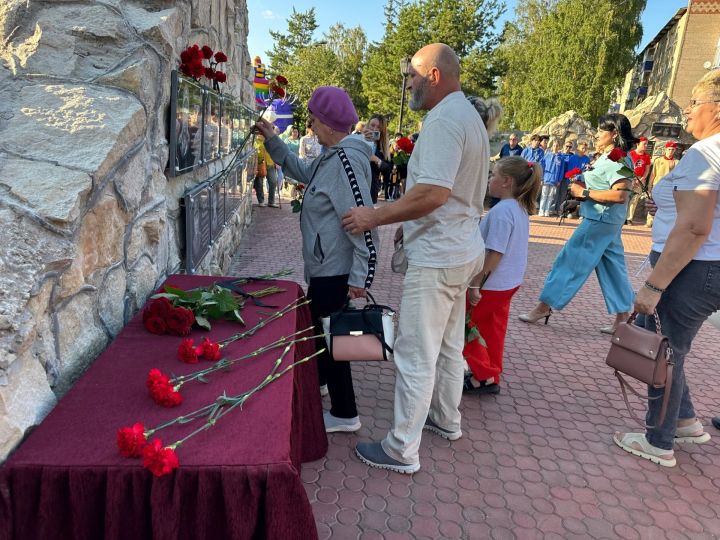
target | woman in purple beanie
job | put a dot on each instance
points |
(337, 264)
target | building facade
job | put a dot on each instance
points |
(682, 52)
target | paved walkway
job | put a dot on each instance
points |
(535, 461)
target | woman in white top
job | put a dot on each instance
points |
(310, 147)
(684, 286)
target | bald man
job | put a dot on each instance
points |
(440, 211)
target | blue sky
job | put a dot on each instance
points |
(266, 15)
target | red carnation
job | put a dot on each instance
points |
(161, 390)
(154, 325)
(131, 440)
(616, 154)
(210, 73)
(281, 80)
(405, 144)
(573, 172)
(207, 52)
(179, 321)
(277, 90)
(220, 57)
(220, 76)
(209, 350)
(186, 351)
(301, 186)
(186, 56)
(158, 459)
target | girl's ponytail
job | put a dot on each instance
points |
(527, 180)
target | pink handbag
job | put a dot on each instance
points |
(644, 355)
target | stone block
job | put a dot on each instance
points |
(53, 193)
(101, 235)
(111, 306)
(145, 235)
(79, 338)
(132, 177)
(91, 128)
(25, 400)
(142, 278)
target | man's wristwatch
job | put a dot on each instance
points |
(586, 193)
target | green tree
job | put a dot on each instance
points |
(465, 25)
(301, 27)
(566, 55)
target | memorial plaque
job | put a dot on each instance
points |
(218, 207)
(211, 127)
(185, 125)
(226, 119)
(198, 226)
(666, 130)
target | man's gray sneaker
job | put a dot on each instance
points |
(444, 433)
(373, 454)
(334, 424)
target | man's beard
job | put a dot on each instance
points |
(417, 96)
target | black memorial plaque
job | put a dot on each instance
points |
(666, 130)
(185, 124)
(211, 127)
(218, 207)
(226, 125)
(198, 226)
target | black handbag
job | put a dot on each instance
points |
(360, 334)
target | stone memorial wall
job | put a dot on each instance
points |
(91, 222)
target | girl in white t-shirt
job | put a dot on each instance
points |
(506, 230)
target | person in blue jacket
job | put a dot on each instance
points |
(533, 153)
(553, 164)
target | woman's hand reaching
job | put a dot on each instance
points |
(265, 127)
(356, 292)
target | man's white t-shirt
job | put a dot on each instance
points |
(453, 152)
(506, 229)
(698, 170)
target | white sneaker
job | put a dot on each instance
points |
(334, 424)
(324, 390)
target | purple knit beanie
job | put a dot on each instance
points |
(333, 107)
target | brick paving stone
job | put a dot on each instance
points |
(536, 460)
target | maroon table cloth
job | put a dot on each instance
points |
(237, 480)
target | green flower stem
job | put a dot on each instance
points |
(264, 322)
(227, 362)
(264, 277)
(266, 292)
(225, 404)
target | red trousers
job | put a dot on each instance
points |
(490, 316)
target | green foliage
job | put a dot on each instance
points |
(206, 303)
(564, 55)
(301, 27)
(465, 25)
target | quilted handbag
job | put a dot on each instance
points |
(360, 334)
(643, 355)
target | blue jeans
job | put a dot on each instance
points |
(272, 184)
(687, 302)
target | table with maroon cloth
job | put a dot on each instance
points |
(239, 479)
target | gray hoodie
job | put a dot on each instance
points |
(337, 180)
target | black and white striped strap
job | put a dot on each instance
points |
(372, 260)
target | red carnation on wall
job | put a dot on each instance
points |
(220, 76)
(207, 52)
(220, 57)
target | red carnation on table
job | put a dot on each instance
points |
(207, 52)
(208, 350)
(220, 76)
(158, 459)
(162, 392)
(616, 154)
(405, 144)
(573, 172)
(131, 440)
(220, 57)
(186, 352)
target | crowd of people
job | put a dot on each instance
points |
(463, 259)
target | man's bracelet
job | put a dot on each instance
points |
(474, 287)
(653, 288)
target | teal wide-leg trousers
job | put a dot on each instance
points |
(595, 245)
